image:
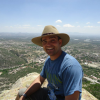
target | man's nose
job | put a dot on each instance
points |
(48, 43)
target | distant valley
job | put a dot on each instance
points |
(19, 56)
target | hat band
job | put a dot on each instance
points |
(47, 34)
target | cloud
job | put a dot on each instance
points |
(67, 25)
(58, 26)
(26, 25)
(58, 21)
(88, 23)
(78, 26)
(98, 22)
(39, 25)
(88, 26)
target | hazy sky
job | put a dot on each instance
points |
(67, 15)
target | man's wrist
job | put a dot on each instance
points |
(24, 95)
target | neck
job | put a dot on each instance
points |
(56, 56)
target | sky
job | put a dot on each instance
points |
(68, 16)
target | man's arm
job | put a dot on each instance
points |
(34, 86)
(74, 96)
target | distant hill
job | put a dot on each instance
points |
(9, 59)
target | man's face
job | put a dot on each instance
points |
(52, 45)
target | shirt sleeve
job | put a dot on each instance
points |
(72, 79)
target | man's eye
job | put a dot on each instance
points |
(43, 42)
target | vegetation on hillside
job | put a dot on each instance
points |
(7, 80)
(94, 89)
(91, 71)
(9, 59)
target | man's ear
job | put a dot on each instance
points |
(60, 42)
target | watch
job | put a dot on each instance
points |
(24, 95)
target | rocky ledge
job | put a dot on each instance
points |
(26, 81)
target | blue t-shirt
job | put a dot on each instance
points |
(64, 75)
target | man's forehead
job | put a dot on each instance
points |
(53, 36)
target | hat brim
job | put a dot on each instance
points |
(65, 39)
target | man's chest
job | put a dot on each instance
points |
(52, 71)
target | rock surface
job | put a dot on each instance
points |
(26, 81)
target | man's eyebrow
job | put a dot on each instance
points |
(43, 39)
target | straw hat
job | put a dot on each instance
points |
(51, 30)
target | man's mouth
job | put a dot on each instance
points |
(49, 48)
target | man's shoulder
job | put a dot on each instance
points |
(48, 58)
(68, 57)
(69, 61)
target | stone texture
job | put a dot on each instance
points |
(26, 81)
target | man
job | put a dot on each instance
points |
(62, 71)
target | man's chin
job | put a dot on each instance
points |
(50, 54)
